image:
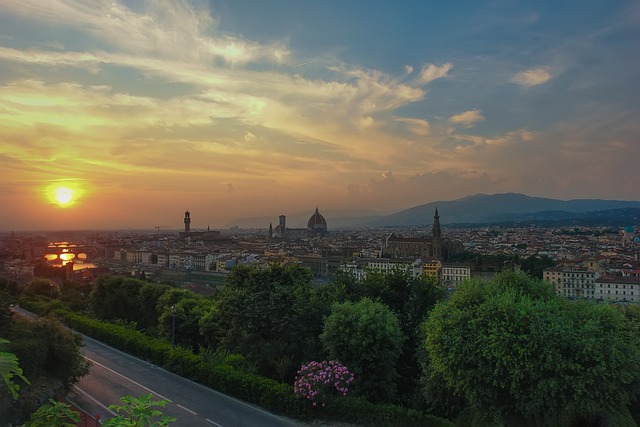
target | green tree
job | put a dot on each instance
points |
(139, 412)
(535, 265)
(410, 298)
(54, 414)
(148, 300)
(10, 369)
(46, 348)
(522, 355)
(264, 315)
(188, 314)
(115, 297)
(366, 336)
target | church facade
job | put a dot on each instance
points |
(416, 247)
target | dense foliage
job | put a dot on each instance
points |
(521, 355)
(36, 354)
(366, 336)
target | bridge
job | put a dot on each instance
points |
(68, 252)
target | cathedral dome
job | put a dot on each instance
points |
(317, 221)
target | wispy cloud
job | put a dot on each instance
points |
(417, 126)
(532, 77)
(467, 119)
(432, 72)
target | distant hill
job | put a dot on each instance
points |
(611, 217)
(476, 209)
(484, 208)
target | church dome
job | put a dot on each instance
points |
(317, 221)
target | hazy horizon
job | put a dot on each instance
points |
(122, 115)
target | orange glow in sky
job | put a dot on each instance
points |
(121, 114)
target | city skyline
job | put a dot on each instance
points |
(124, 114)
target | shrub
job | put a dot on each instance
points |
(317, 381)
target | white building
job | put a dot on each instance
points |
(454, 274)
(138, 257)
(617, 288)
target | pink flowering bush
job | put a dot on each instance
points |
(317, 380)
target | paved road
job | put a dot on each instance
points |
(115, 374)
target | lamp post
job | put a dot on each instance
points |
(173, 328)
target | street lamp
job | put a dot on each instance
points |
(173, 328)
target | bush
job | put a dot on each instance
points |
(228, 378)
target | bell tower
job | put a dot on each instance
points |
(282, 226)
(436, 236)
(187, 222)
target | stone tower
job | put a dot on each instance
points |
(187, 222)
(436, 236)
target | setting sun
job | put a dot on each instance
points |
(63, 194)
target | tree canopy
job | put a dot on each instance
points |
(522, 355)
(365, 336)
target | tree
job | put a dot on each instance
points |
(366, 336)
(535, 265)
(410, 298)
(522, 355)
(188, 314)
(139, 412)
(47, 348)
(263, 315)
(54, 414)
(10, 369)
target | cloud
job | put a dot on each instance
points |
(249, 137)
(416, 126)
(230, 188)
(532, 77)
(386, 181)
(433, 72)
(467, 119)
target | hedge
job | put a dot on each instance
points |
(264, 392)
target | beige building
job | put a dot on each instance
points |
(454, 274)
(618, 288)
(572, 283)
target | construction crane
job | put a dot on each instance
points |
(158, 227)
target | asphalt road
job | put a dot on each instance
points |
(115, 374)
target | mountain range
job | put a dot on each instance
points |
(476, 209)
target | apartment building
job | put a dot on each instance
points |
(572, 283)
(618, 288)
(454, 274)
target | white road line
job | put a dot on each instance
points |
(128, 379)
(187, 409)
(213, 422)
(94, 400)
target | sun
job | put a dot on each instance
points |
(64, 194)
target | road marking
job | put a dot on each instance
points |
(187, 409)
(94, 400)
(213, 422)
(128, 379)
(208, 389)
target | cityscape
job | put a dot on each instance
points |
(244, 213)
(587, 260)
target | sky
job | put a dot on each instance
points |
(124, 114)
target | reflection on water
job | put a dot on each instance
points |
(79, 265)
(65, 256)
